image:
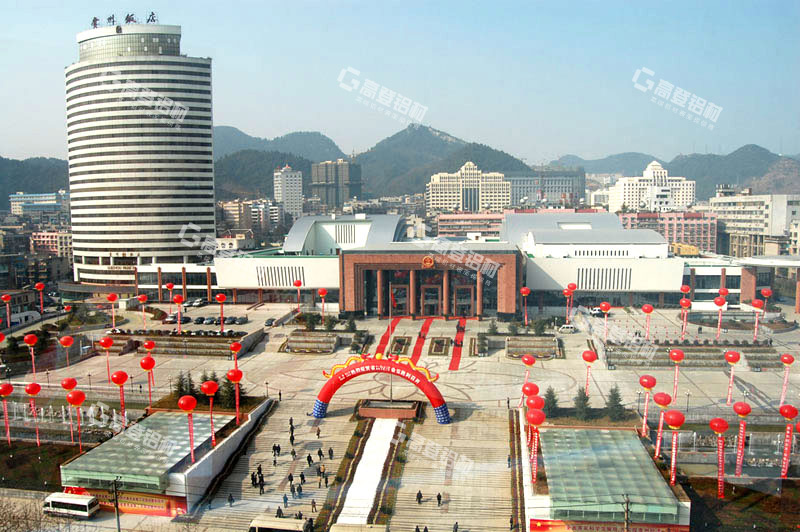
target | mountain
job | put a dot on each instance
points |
(783, 177)
(307, 144)
(35, 175)
(399, 154)
(627, 164)
(248, 173)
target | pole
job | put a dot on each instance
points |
(80, 440)
(237, 403)
(720, 466)
(755, 331)
(646, 406)
(113, 317)
(719, 322)
(675, 383)
(525, 300)
(787, 450)
(36, 421)
(605, 329)
(5, 418)
(785, 384)
(660, 434)
(211, 414)
(740, 447)
(144, 319)
(627, 513)
(191, 435)
(33, 363)
(108, 366)
(522, 394)
(116, 503)
(588, 372)
(674, 458)
(8, 315)
(71, 433)
(298, 300)
(221, 317)
(730, 387)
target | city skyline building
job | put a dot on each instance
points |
(467, 190)
(288, 190)
(335, 182)
(654, 190)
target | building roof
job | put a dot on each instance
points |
(383, 228)
(437, 245)
(590, 471)
(599, 236)
(574, 228)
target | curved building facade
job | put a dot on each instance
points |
(139, 136)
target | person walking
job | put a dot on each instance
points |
(509, 461)
(438, 499)
(274, 451)
(419, 497)
(258, 469)
(299, 491)
(280, 397)
(261, 486)
(253, 478)
(230, 499)
(279, 513)
(291, 430)
(511, 523)
(293, 490)
(319, 484)
(416, 528)
(294, 455)
(302, 478)
(455, 527)
(330, 453)
(322, 469)
(291, 478)
(320, 454)
(313, 505)
(508, 403)
(326, 480)
(318, 431)
(291, 422)
(291, 439)
(309, 459)
(285, 501)
(278, 447)
(425, 529)
(274, 462)
(319, 473)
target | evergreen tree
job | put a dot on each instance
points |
(227, 395)
(513, 328)
(538, 327)
(13, 344)
(614, 409)
(351, 325)
(492, 327)
(180, 385)
(203, 376)
(312, 320)
(581, 401)
(190, 389)
(214, 377)
(330, 323)
(550, 402)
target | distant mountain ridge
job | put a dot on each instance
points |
(310, 145)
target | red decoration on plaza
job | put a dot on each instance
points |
(766, 293)
(663, 401)
(112, 298)
(605, 307)
(69, 384)
(142, 298)
(647, 309)
(742, 409)
(221, 298)
(535, 402)
(648, 382)
(528, 360)
(758, 304)
(529, 389)
(322, 293)
(731, 357)
(147, 364)
(66, 342)
(685, 304)
(572, 287)
(33, 390)
(209, 388)
(676, 355)
(787, 360)
(120, 378)
(187, 403)
(30, 340)
(235, 348)
(297, 284)
(6, 389)
(67, 308)
(178, 300)
(720, 302)
(525, 292)
(567, 294)
(40, 288)
(720, 426)
(7, 300)
(788, 412)
(76, 399)
(685, 288)
(106, 344)
(169, 286)
(235, 376)
(535, 418)
(674, 420)
(590, 357)
(724, 292)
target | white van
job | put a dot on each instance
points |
(71, 505)
(567, 328)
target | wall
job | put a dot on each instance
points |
(315, 272)
(646, 275)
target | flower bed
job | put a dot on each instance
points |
(440, 346)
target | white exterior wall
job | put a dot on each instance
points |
(278, 272)
(605, 275)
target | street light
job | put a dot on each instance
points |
(90, 381)
(638, 401)
(687, 401)
(266, 385)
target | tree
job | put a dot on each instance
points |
(614, 409)
(330, 323)
(13, 344)
(311, 321)
(180, 385)
(351, 325)
(513, 328)
(190, 389)
(581, 401)
(550, 402)
(492, 327)
(227, 394)
(538, 327)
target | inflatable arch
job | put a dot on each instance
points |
(382, 366)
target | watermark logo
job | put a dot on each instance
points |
(421, 446)
(456, 257)
(163, 108)
(135, 435)
(382, 99)
(207, 244)
(676, 99)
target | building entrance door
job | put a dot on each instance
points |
(464, 301)
(398, 299)
(431, 300)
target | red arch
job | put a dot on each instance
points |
(382, 366)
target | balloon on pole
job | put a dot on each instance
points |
(648, 382)
(788, 412)
(33, 389)
(30, 340)
(787, 360)
(76, 399)
(572, 287)
(766, 293)
(535, 418)
(221, 298)
(297, 284)
(112, 298)
(677, 356)
(40, 288)
(674, 421)
(732, 358)
(178, 300)
(235, 376)
(686, 304)
(235, 348)
(187, 403)
(7, 300)
(149, 345)
(106, 344)
(567, 294)
(69, 384)
(142, 298)
(529, 389)
(66, 342)
(590, 357)
(525, 292)
(209, 388)
(147, 364)
(322, 293)
(605, 307)
(170, 287)
(720, 426)
(758, 304)
(120, 378)
(663, 401)
(648, 310)
(742, 409)
(6, 389)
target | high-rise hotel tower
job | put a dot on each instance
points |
(141, 168)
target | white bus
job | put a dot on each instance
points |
(69, 504)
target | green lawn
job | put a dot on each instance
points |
(26, 466)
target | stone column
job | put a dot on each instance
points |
(479, 295)
(691, 282)
(183, 282)
(446, 293)
(748, 284)
(208, 284)
(722, 278)
(160, 297)
(412, 289)
(380, 293)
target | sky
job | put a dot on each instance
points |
(536, 79)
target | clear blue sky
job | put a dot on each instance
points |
(536, 79)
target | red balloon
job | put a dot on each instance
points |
(187, 403)
(732, 357)
(234, 375)
(724, 292)
(648, 382)
(220, 298)
(6, 298)
(178, 299)
(149, 345)
(676, 355)
(535, 402)
(528, 360)
(69, 383)
(685, 303)
(572, 287)
(758, 303)
(788, 412)
(2, 337)
(30, 339)
(111, 297)
(741, 408)
(147, 363)
(530, 388)
(535, 417)
(647, 308)
(142, 298)
(39, 286)
(766, 292)
(119, 378)
(719, 301)
(6, 389)
(589, 357)
(68, 308)
(76, 398)
(106, 342)
(236, 347)
(32, 388)
(662, 399)
(298, 283)
(66, 341)
(787, 359)
(525, 291)
(170, 286)
(605, 306)
(566, 292)
(322, 292)
(209, 388)
(685, 288)
(674, 419)
(718, 425)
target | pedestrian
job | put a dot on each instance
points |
(438, 499)
(258, 469)
(285, 501)
(416, 528)
(313, 505)
(419, 497)
(319, 484)
(302, 478)
(291, 478)
(326, 480)
(300, 515)
(294, 454)
(455, 527)
(279, 513)
(280, 398)
(322, 469)
(508, 403)
(274, 450)
(291, 440)
(299, 491)
(511, 523)
(425, 529)
(318, 471)
(261, 486)
(320, 454)
(279, 449)
(253, 478)
(230, 499)
(330, 453)
(209, 504)
(293, 490)
(274, 462)
(318, 432)
(309, 460)
(509, 461)
(291, 422)
(291, 430)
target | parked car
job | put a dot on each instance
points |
(217, 321)
(170, 319)
(198, 320)
(567, 328)
(208, 321)
(186, 319)
(270, 322)
(241, 320)
(230, 320)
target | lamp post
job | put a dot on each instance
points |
(688, 394)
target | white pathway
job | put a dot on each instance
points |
(362, 490)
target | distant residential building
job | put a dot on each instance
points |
(684, 250)
(690, 228)
(288, 190)
(14, 240)
(754, 224)
(461, 224)
(599, 198)
(236, 241)
(335, 182)
(467, 190)
(58, 243)
(654, 190)
(794, 238)
(548, 186)
(20, 200)
(604, 179)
